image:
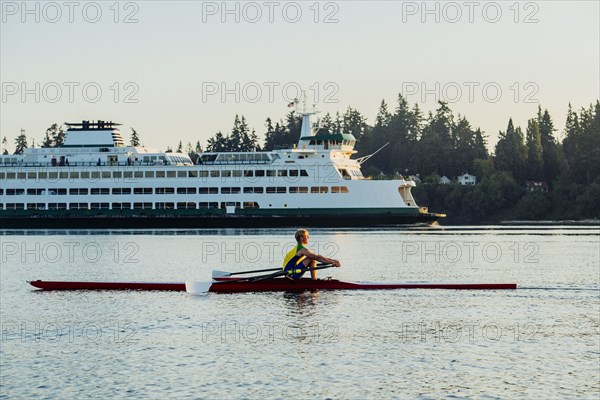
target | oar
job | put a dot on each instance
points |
(221, 274)
(204, 287)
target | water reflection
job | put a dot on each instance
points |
(302, 304)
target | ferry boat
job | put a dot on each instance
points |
(94, 180)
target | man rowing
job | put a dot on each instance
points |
(300, 258)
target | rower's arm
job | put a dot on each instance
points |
(313, 256)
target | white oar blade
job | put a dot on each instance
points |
(218, 274)
(197, 287)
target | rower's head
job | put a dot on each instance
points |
(301, 236)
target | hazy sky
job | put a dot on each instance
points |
(182, 70)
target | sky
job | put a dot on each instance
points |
(182, 70)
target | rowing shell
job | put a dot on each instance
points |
(304, 284)
(269, 285)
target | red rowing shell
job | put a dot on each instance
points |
(271, 285)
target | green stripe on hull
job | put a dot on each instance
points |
(250, 212)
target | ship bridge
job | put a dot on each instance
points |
(93, 134)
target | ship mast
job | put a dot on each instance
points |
(307, 127)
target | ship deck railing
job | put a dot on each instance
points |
(90, 164)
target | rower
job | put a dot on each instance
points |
(301, 258)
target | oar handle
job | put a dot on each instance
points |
(256, 271)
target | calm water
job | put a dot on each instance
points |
(540, 341)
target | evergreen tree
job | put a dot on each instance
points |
(4, 144)
(283, 135)
(135, 139)
(535, 162)
(217, 143)
(198, 148)
(55, 136)
(511, 153)
(481, 152)
(20, 142)
(582, 145)
(550, 149)
(355, 123)
(180, 147)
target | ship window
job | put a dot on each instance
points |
(160, 174)
(251, 204)
(339, 189)
(248, 173)
(14, 192)
(95, 175)
(35, 192)
(80, 192)
(237, 174)
(164, 190)
(230, 190)
(35, 206)
(121, 191)
(192, 174)
(293, 172)
(51, 176)
(215, 174)
(31, 175)
(78, 206)
(182, 174)
(2, 192)
(303, 172)
(312, 142)
(299, 189)
(149, 174)
(138, 174)
(59, 191)
(21, 175)
(282, 172)
(189, 190)
(121, 206)
(103, 191)
(41, 175)
(259, 173)
(253, 190)
(161, 206)
(186, 206)
(106, 175)
(208, 205)
(127, 174)
(203, 174)
(171, 174)
(57, 206)
(271, 172)
(230, 203)
(276, 189)
(142, 206)
(226, 174)
(208, 190)
(142, 191)
(99, 206)
(319, 189)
